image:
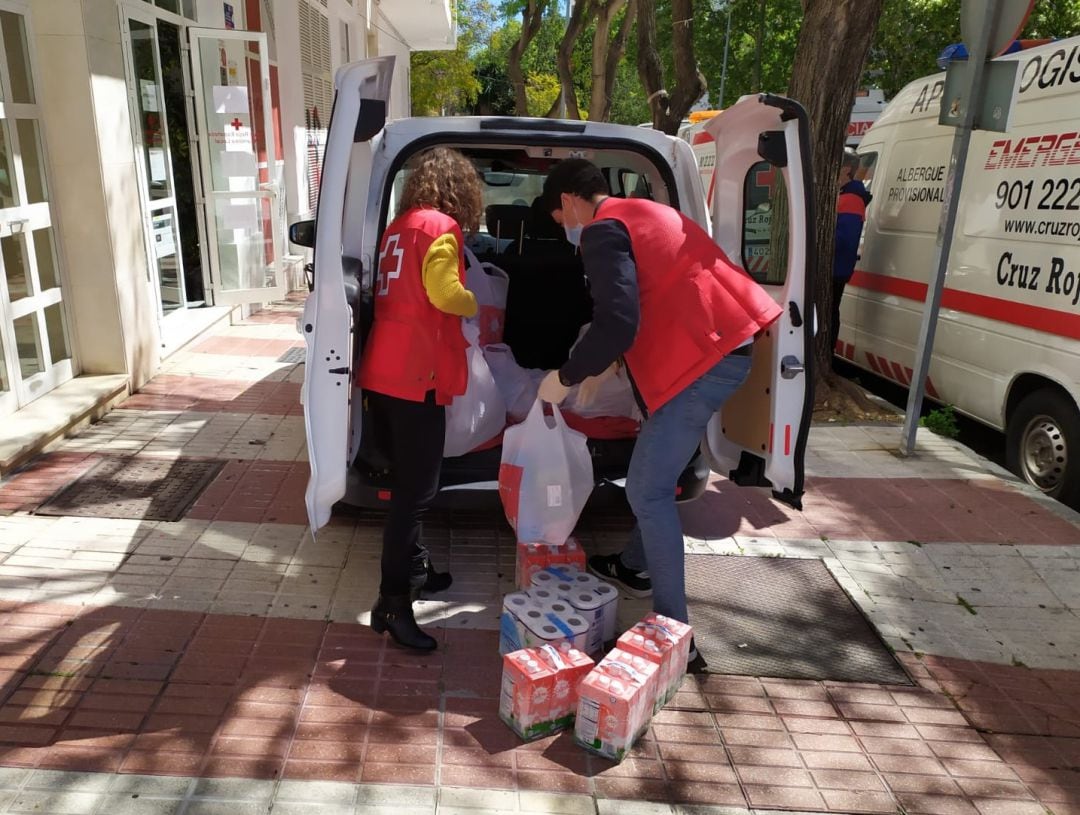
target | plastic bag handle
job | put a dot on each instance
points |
(536, 415)
(470, 258)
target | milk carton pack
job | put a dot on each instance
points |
(594, 601)
(665, 642)
(526, 623)
(680, 634)
(528, 684)
(533, 557)
(615, 704)
(539, 689)
(571, 665)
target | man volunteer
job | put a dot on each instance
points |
(671, 305)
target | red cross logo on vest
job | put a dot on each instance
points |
(389, 264)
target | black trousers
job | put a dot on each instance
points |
(412, 434)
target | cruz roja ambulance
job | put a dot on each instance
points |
(1007, 351)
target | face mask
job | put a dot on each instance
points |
(573, 233)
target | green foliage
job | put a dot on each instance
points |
(942, 421)
(761, 49)
(541, 90)
(445, 82)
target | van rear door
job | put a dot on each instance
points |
(362, 92)
(759, 437)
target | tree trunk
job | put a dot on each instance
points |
(833, 43)
(669, 108)
(607, 54)
(584, 10)
(531, 18)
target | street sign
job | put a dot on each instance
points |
(1001, 84)
(1008, 22)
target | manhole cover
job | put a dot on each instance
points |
(784, 618)
(293, 356)
(141, 488)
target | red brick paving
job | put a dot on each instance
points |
(211, 395)
(28, 487)
(178, 693)
(979, 511)
(255, 491)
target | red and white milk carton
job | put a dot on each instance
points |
(656, 644)
(615, 704)
(567, 554)
(528, 684)
(531, 558)
(535, 557)
(571, 665)
(679, 634)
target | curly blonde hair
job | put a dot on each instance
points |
(445, 180)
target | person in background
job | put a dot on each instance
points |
(414, 364)
(850, 217)
(669, 303)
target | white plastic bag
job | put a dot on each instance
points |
(545, 478)
(612, 397)
(491, 285)
(479, 414)
(517, 385)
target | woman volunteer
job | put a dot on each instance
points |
(414, 364)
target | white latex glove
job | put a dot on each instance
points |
(552, 390)
(588, 389)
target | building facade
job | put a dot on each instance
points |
(152, 153)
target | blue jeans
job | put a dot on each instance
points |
(666, 444)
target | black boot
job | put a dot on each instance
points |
(394, 614)
(695, 663)
(424, 578)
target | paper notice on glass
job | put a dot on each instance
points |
(164, 241)
(230, 99)
(149, 91)
(239, 215)
(238, 164)
(156, 157)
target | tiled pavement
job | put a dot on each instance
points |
(215, 665)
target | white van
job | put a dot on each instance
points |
(762, 433)
(1008, 342)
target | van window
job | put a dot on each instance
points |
(867, 165)
(762, 188)
(512, 181)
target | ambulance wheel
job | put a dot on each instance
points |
(1043, 444)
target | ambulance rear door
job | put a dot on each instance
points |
(362, 92)
(759, 437)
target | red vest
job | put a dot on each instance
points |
(696, 305)
(413, 347)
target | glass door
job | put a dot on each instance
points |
(153, 48)
(35, 353)
(230, 72)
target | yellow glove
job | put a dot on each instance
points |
(552, 390)
(588, 389)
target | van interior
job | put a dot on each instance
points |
(548, 301)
